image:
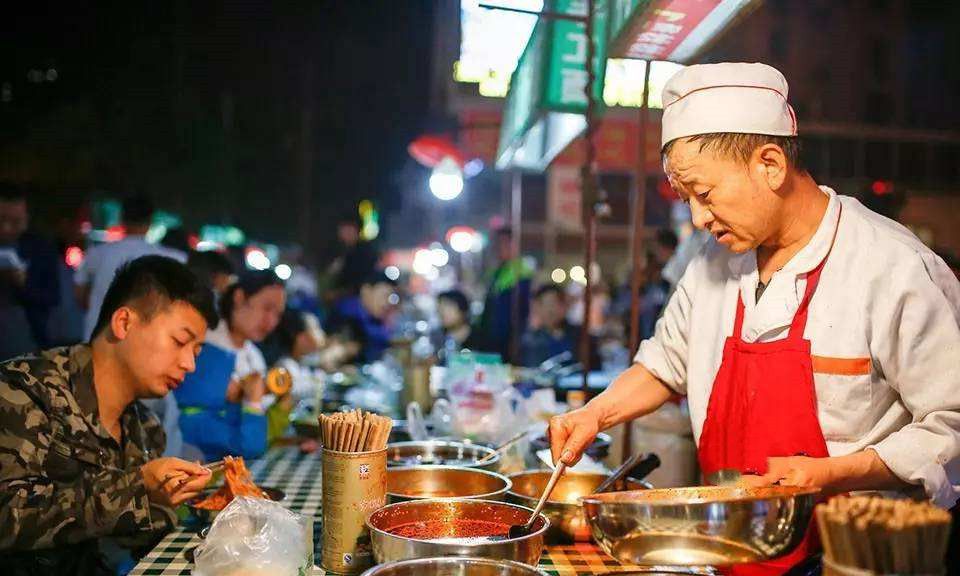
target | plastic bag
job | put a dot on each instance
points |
(256, 537)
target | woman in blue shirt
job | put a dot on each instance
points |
(221, 403)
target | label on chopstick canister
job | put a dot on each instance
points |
(354, 484)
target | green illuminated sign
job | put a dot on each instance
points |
(546, 103)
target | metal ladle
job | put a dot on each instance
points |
(521, 530)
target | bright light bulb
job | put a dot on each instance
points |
(257, 259)
(461, 241)
(422, 261)
(578, 274)
(446, 181)
(558, 275)
(439, 257)
(392, 272)
(283, 272)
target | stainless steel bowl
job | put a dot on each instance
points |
(452, 566)
(389, 547)
(567, 521)
(205, 515)
(421, 482)
(700, 526)
(440, 453)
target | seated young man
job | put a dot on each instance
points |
(80, 461)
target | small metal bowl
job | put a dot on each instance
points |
(422, 482)
(441, 453)
(700, 526)
(204, 515)
(452, 566)
(598, 449)
(563, 508)
(389, 547)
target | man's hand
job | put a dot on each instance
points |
(835, 475)
(801, 471)
(172, 481)
(571, 433)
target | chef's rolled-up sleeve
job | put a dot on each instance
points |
(916, 341)
(665, 354)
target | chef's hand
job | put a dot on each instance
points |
(863, 470)
(571, 433)
(172, 481)
(800, 471)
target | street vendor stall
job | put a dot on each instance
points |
(299, 476)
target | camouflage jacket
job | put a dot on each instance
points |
(64, 481)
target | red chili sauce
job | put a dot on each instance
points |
(455, 528)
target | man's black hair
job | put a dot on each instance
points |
(458, 298)
(10, 192)
(151, 283)
(741, 146)
(547, 289)
(137, 209)
(249, 283)
(207, 264)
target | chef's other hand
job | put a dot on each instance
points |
(753, 481)
(172, 481)
(571, 433)
(800, 471)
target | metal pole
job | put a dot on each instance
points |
(636, 234)
(589, 199)
(548, 15)
(636, 226)
(516, 205)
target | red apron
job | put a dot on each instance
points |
(764, 404)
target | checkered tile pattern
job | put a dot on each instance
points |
(299, 476)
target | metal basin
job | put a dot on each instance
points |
(421, 482)
(567, 521)
(700, 526)
(451, 566)
(598, 449)
(389, 547)
(440, 453)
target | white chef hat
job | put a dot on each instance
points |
(728, 97)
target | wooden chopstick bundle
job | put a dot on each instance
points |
(883, 535)
(355, 431)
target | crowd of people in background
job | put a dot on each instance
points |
(345, 315)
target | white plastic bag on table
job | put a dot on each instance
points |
(483, 406)
(256, 537)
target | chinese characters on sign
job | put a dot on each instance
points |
(671, 21)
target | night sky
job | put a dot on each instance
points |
(200, 104)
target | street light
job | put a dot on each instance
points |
(461, 239)
(446, 181)
(283, 271)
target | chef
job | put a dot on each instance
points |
(817, 342)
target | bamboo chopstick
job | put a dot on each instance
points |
(355, 431)
(884, 535)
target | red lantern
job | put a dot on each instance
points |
(430, 149)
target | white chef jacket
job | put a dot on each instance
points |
(884, 327)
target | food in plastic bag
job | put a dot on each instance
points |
(237, 482)
(256, 537)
